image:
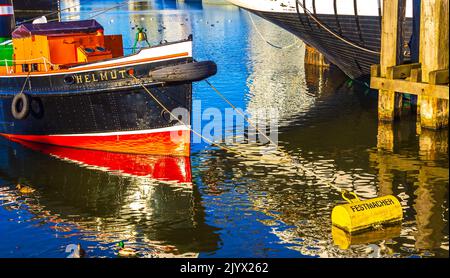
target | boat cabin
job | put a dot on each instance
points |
(58, 45)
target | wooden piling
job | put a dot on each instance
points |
(390, 102)
(434, 58)
(427, 79)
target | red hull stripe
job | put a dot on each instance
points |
(175, 143)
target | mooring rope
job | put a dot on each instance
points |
(289, 158)
(331, 32)
(287, 155)
(180, 121)
(111, 8)
(100, 11)
(18, 61)
(25, 83)
(264, 39)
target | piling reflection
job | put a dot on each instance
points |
(103, 198)
(433, 144)
(385, 136)
(422, 179)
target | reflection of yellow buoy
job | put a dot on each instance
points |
(343, 239)
(359, 215)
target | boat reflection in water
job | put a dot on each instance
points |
(101, 198)
(162, 168)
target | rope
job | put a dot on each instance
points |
(22, 62)
(180, 121)
(268, 42)
(108, 9)
(333, 33)
(24, 84)
(239, 111)
(30, 60)
(291, 160)
(285, 154)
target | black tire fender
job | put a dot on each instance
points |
(190, 72)
(20, 106)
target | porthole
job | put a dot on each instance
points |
(69, 79)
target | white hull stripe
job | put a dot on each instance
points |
(326, 7)
(147, 131)
(182, 47)
(6, 10)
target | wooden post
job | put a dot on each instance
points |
(433, 56)
(390, 102)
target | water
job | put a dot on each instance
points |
(216, 204)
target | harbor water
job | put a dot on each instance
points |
(219, 204)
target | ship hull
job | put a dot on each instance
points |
(103, 107)
(360, 28)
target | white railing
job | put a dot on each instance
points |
(46, 63)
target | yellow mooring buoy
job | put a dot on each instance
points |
(359, 216)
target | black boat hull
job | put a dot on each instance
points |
(364, 31)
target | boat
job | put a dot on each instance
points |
(68, 84)
(346, 32)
